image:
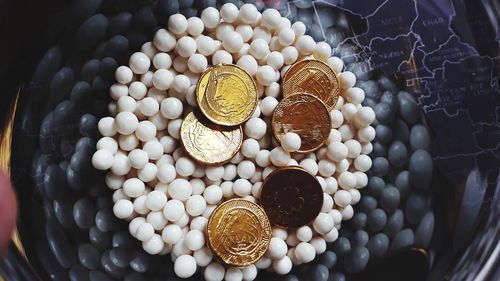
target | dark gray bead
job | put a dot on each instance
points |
(334, 36)
(55, 182)
(367, 203)
(108, 65)
(91, 32)
(380, 166)
(359, 220)
(397, 154)
(400, 131)
(61, 84)
(342, 21)
(134, 276)
(104, 203)
(101, 240)
(425, 229)
(76, 181)
(84, 212)
(123, 239)
(419, 138)
(89, 70)
(371, 90)
(303, 4)
(48, 65)
(81, 94)
(89, 256)
(140, 261)
(341, 246)
(416, 207)
(389, 199)
(67, 149)
(328, 259)
(348, 53)
(408, 107)
(305, 16)
(105, 220)
(390, 99)
(99, 276)
(117, 48)
(325, 14)
(120, 23)
(359, 238)
(384, 113)
(144, 19)
(290, 277)
(316, 32)
(420, 169)
(376, 220)
(320, 273)
(387, 84)
(378, 245)
(357, 259)
(337, 276)
(88, 125)
(375, 186)
(383, 133)
(81, 163)
(189, 12)
(360, 69)
(64, 213)
(203, 4)
(120, 256)
(404, 238)
(394, 223)
(402, 183)
(379, 150)
(59, 244)
(85, 144)
(78, 273)
(110, 267)
(371, 103)
(185, 3)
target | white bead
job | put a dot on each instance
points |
(180, 64)
(304, 233)
(173, 210)
(348, 111)
(327, 203)
(186, 46)
(139, 63)
(347, 79)
(181, 83)
(118, 90)
(134, 225)
(323, 223)
(123, 74)
(337, 118)
(126, 123)
(229, 12)
(215, 172)
(282, 266)
(148, 173)
(347, 180)
(267, 106)
(232, 41)
(154, 149)
(212, 194)
(242, 187)
(195, 205)
(195, 26)
(180, 189)
(222, 57)
(171, 234)
(322, 51)
(249, 148)
(246, 169)
(198, 184)
(114, 182)
(194, 240)
(198, 223)
(259, 48)
(309, 165)
(299, 28)
(255, 128)
(137, 90)
(291, 142)
(106, 126)
(273, 90)
(214, 271)
(364, 116)
(353, 148)
(133, 187)
(233, 274)
(166, 173)
(305, 252)
(331, 185)
(277, 248)
(279, 157)
(286, 37)
(145, 131)
(248, 14)
(123, 209)
(246, 31)
(366, 148)
(185, 266)
(177, 24)
(271, 19)
(156, 200)
(210, 17)
(366, 134)
(203, 256)
(230, 172)
(342, 198)
(355, 95)
(319, 245)
(336, 64)
(185, 166)
(249, 64)
(164, 40)
(331, 236)
(249, 272)
(180, 248)
(262, 33)
(154, 245)
(263, 158)
(197, 63)
(126, 103)
(305, 44)
(290, 55)
(326, 168)
(171, 108)
(363, 163)
(347, 212)
(162, 79)
(361, 180)
(157, 220)
(355, 196)
(102, 159)
(145, 231)
(148, 106)
(342, 166)
(275, 60)
(337, 151)
(121, 166)
(140, 205)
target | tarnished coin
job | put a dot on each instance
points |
(227, 95)
(305, 115)
(313, 77)
(239, 232)
(291, 197)
(207, 142)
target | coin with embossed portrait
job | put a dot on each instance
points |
(239, 232)
(312, 77)
(305, 115)
(291, 197)
(227, 95)
(207, 142)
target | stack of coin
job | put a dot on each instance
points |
(310, 91)
(227, 97)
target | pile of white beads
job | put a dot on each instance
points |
(167, 196)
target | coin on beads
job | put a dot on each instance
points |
(305, 115)
(313, 77)
(239, 232)
(291, 197)
(207, 142)
(227, 95)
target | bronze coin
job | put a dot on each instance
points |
(313, 77)
(305, 115)
(291, 197)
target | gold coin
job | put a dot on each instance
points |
(312, 77)
(207, 142)
(305, 115)
(227, 95)
(239, 232)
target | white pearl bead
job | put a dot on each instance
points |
(173, 210)
(123, 209)
(282, 266)
(177, 24)
(166, 173)
(337, 151)
(229, 12)
(326, 168)
(342, 198)
(361, 180)
(355, 195)
(323, 223)
(128, 142)
(347, 212)
(213, 194)
(156, 200)
(134, 225)
(342, 166)
(145, 131)
(304, 233)
(154, 245)
(331, 185)
(181, 83)
(180, 64)
(249, 148)
(262, 33)
(139, 63)
(102, 159)
(279, 157)
(106, 126)
(186, 46)
(203, 256)
(355, 95)
(246, 169)
(249, 272)
(290, 55)
(126, 103)
(337, 118)
(223, 29)
(255, 128)
(148, 106)
(366, 148)
(277, 248)
(299, 28)
(215, 172)
(185, 266)
(319, 245)
(180, 189)
(267, 106)
(353, 148)
(194, 240)
(230, 172)
(322, 51)
(197, 63)
(154, 149)
(347, 79)
(121, 166)
(137, 90)
(195, 205)
(242, 187)
(171, 108)
(126, 123)
(366, 134)
(364, 116)
(145, 231)
(305, 44)
(348, 111)
(331, 236)
(336, 64)
(123, 74)
(195, 26)
(198, 223)
(185, 166)
(249, 64)
(140, 205)
(210, 17)
(214, 272)
(347, 180)
(305, 252)
(162, 79)
(271, 19)
(291, 142)
(327, 203)
(232, 42)
(205, 45)
(114, 182)
(233, 274)
(246, 31)
(222, 57)
(171, 234)
(263, 158)
(148, 173)
(164, 40)
(363, 163)
(248, 14)
(275, 60)
(157, 220)
(259, 48)
(133, 187)
(309, 165)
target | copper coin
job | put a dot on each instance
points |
(313, 77)
(238, 232)
(305, 115)
(291, 197)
